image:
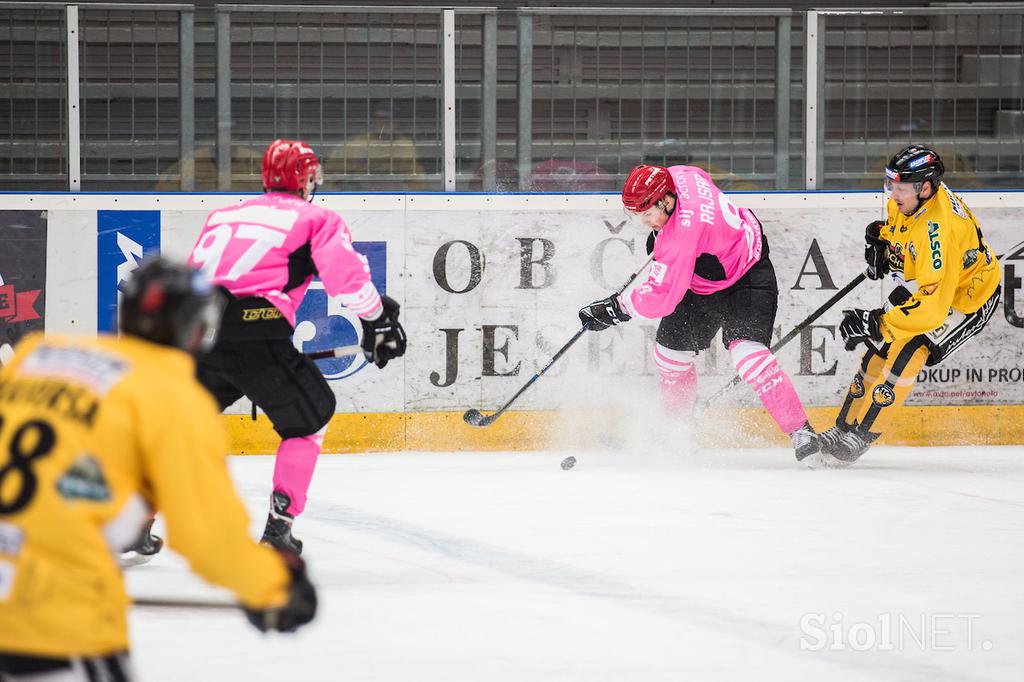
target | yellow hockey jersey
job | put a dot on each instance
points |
(940, 247)
(93, 434)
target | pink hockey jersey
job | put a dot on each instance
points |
(271, 246)
(705, 234)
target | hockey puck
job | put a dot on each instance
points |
(568, 463)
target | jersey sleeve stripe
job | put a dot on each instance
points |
(364, 302)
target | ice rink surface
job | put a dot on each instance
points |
(719, 565)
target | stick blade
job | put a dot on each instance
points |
(475, 418)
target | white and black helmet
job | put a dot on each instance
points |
(915, 164)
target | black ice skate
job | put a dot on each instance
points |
(829, 439)
(145, 547)
(842, 445)
(805, 444)
(278, 532)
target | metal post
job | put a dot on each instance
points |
(186, 100)
(783, 93)
(811, 102)
(489, 104)
(524, 139)
(819, 125)
(74, 124)
(223, 100)
(448, 78)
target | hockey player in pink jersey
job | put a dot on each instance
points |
(711, 271)
(264, 252)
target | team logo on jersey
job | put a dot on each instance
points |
(84, 481)
(912, 250)
(933, 241)
(322, 323)
(883, 396)
(895, 254)
(658, 271)
(970, 257)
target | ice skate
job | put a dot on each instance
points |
(841, 446)
(278, 531)
(805, 445)
(145, 547)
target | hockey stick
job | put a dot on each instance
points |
(146, 602)
(473, 417)
(343, 352)
(797, 329)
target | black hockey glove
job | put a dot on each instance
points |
(899, 296)
(876, 250)
(602, 314)
(384, 338)
(300, 607)
(860, 326)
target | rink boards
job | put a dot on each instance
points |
(490, 285)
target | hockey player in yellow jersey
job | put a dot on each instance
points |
(95, 433)
(932, 240)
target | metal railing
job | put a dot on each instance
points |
(604, 90)
(33, 97)
(951, 77)
(169, 97)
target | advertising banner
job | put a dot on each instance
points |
(22, 274)
(123, 238)
(490, 286)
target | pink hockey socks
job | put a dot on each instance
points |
(757, 366)
(677, 375)
(293, 468)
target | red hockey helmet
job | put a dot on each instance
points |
(288, 165)
(645, 186)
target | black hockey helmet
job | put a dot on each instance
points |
(915, 164)
(171, 304)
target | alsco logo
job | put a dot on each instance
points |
(933, 240)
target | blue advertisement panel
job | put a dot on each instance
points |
(322, 324)
(123, 238)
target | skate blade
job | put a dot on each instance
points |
(130, 559)
(825, 461)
